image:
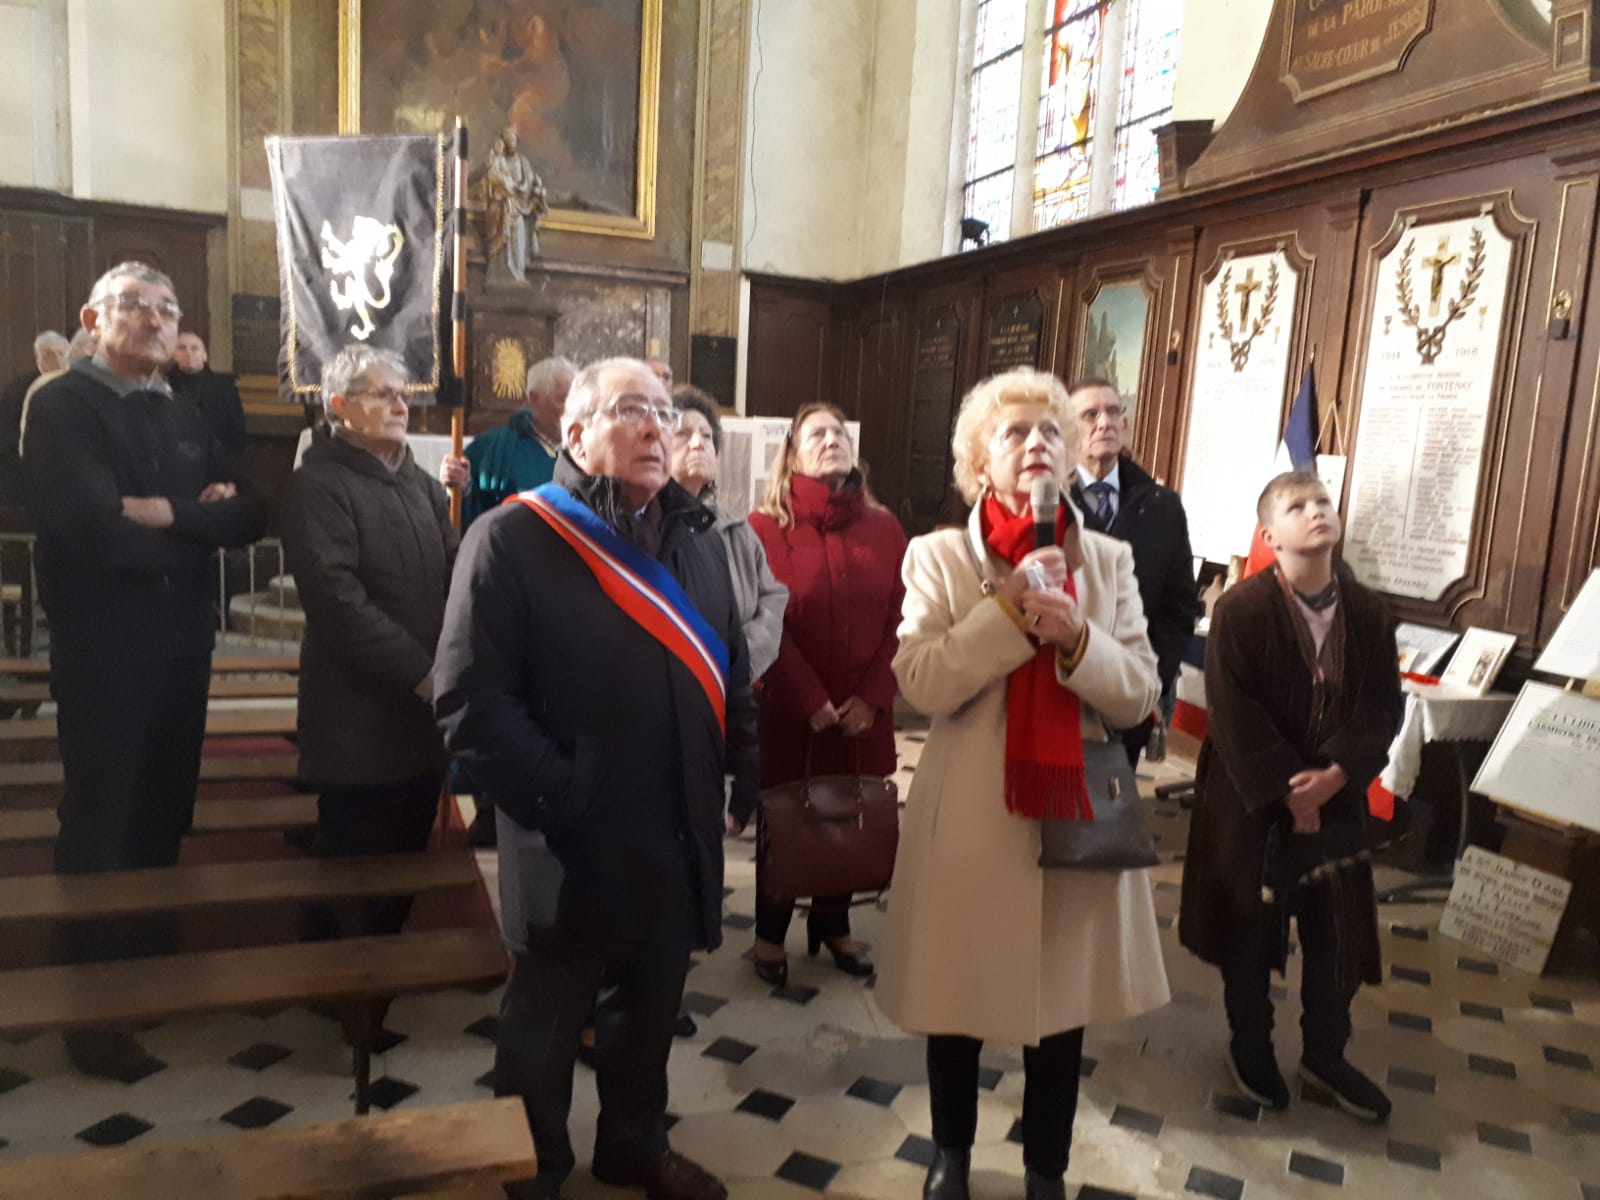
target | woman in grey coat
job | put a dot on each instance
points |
(759, 597)
(367, 534)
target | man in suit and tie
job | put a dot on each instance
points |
(1118, 497)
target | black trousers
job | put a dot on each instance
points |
(130, 736)
(383, 818)
(1136, 739)
(547, 1002)
(1049, 1096)
(829, 918)
(1324, 1005)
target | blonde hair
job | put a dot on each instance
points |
(776, 502)
(975, 421)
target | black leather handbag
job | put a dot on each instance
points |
(1117, 839)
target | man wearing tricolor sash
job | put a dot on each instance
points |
(593, 679)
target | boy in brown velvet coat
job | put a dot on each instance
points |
(1304, 698)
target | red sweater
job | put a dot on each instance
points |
(840, 560)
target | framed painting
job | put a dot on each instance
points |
(579, 80)
(1113, 341)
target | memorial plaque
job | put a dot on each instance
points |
(1505, 909)
(256, 329)
(1014, 334)
(713, 366)
(1441, 298)
(933, 402)
(1331, 44)
(1240, 378)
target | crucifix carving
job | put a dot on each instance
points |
(1250, 285)
(1437, 263)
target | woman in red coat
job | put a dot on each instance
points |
(828, 703)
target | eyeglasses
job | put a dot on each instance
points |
(387, 395)
(632, 410)
(1090, 417)
(132, 302)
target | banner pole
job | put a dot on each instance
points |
(458, 317)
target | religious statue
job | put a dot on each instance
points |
(514, 205)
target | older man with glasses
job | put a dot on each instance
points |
(130, 495)
(1118, 497)
(593, 677)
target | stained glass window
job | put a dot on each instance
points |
(1144, 101)
(995, 93)
(1068, 82)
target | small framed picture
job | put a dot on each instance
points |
(1477, 660)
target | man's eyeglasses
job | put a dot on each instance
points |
(1090, 417)
(132, 302)
(632, 410)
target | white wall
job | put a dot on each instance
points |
(122, 100)
(1216, 55)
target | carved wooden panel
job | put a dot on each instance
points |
(44, 274)
(1502, 581)
(1021, 313)
(793, 351)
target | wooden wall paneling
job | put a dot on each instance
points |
(1151, 271)
(793, 345)
(942, 346)
(1042, 284)
(874, 393)
(1575, 534)
(177, 248)
(44, 263)
(1334, 359)
(1164, 402)
(1300, 234)
(1502, 583)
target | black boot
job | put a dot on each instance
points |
(947, 1175)
(1044, 1187)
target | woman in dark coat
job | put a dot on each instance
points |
(367, 534)
(828, 706)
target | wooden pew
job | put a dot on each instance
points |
(389, 1154)
(210, 885)
(354, 971)
(43, 780)
(266, 814)
(31, 737)
(223, 687)
(261, 664)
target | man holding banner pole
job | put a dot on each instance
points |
(593, 678)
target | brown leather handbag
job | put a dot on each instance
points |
(827, 835)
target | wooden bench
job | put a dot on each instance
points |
(210, 885)
(37, 735)
(354, 971)
(266, 814)
(389, 1154)
(272, 664)
(225, 687)
(43, 780)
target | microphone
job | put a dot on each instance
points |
(1044, 498)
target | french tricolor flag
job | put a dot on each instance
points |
(1297, 449)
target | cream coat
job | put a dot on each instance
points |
(980, 940)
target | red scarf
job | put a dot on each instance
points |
(1044, 742)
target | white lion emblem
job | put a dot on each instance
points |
(373, 245)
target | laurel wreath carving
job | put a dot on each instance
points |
(1430, 340)
(1239, 348)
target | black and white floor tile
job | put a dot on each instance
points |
(813, 1092)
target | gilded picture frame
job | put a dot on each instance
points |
(604, 204)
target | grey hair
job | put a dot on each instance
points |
(543, 374)
(49, 340)
(352, 363)
(584, 397)
(143, 272)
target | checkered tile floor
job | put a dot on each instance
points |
(811, 1090)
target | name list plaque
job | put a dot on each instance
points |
(1236, 399)
(1014, 334)
(1331, 44)
(933, 397)
(1428, 386)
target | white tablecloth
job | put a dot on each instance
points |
(1435, 715)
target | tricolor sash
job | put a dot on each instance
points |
(641, 587)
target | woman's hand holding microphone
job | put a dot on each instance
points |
(1035, 588)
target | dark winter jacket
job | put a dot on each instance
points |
(1263, 728)
(596, 746)
(371, 551)
(1150, 518)
(217, 396)
(115, 590)
(840, 560)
